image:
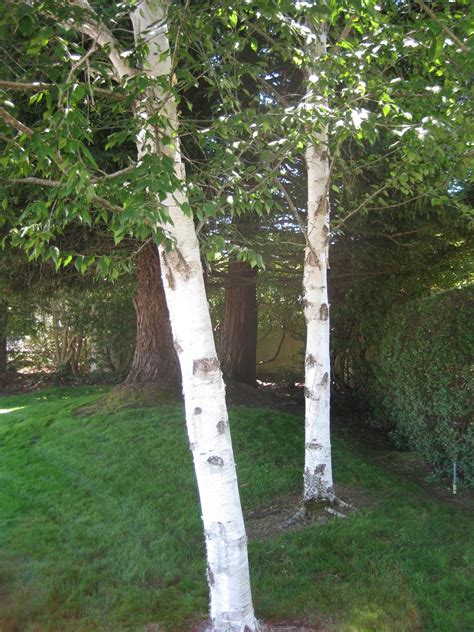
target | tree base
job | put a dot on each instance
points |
(124, 397)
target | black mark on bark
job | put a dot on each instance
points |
(204, 366)
(216, 460)
(314, 487)
(221, 426)
(210, 575)
(325, 379)
(170, 279)
(309, 394)
(324, 312)
(197, 411)
(168, 272)
(177, 262)
(310, 360)
(313, 445)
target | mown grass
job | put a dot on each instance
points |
(100, 527)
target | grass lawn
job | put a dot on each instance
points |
(100, 527)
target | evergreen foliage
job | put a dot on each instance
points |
(422, 382)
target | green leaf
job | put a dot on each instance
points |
(186, 208)
(26, 25)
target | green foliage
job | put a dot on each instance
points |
(423, 381)
(100, 526)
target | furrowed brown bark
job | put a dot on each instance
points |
(155, 363)
(238, 353)
(3, 337)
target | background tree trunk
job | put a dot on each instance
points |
(238, 352)
(3, 354)
(155, 362)
(3, 336)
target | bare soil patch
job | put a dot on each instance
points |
(288, 513)
(277, 626)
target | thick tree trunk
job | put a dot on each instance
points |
(318, 483)
(3, 354)
(155, 363)
(239, 334)
(3, 336)
(204, 391)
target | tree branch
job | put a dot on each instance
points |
(100, 201)
(38, 86)
(295, 212)
(277, 353)
(11, 121)
(361, 206)
(447, 30)
(91, 26)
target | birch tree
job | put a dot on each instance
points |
(368, 85)
(318, 483)
(203, 386)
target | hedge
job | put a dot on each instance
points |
(423, 379)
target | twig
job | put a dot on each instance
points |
(91, 26)
(277, 352)
(361, 206)
(116, 174)
(295, 212)
(11, 121)
(81, 61)
(446, 29)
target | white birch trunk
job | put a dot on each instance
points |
(318, 483)
(204, 391)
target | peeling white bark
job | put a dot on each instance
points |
(318, 483)
(204, 391)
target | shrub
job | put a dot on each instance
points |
(423, 379)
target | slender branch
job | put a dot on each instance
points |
(116, 174)
(33, 86)
(397, 204)
(38, 86)
(178, 34)
(345, 32)
(277, 352)
(265, 335)
(295, 212)
(81, 61)
(446, 29)
(7, 139)
(412, 244)
(361, 206)
(11, 121)
(91, 26)
(97, 199)
(280, 98)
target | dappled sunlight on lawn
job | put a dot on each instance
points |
(4, 411)
(372, 617)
